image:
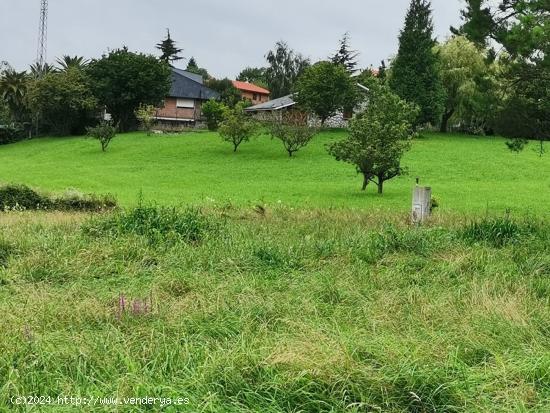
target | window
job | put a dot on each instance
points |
(255, 96)
(185, 103)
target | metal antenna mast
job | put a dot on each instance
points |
(42, 34)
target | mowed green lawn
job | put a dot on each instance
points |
(466, 173)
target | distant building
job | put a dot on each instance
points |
(252, 92)
(277, 108)
(183, 105)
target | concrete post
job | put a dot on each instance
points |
(421, 204)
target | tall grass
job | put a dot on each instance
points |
(284, 311)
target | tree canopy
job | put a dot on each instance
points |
(122, 80)
(284, 68)
(325, 89)
(378, 137)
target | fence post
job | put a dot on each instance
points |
(421, 204)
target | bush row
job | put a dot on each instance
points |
(22, 198)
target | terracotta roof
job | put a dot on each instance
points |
(249, 87)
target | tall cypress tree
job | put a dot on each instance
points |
(414, 71)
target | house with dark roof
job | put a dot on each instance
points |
(183, 105)
(252, 92)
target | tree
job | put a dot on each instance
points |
(170, 53)
(214, 112)
(236, 127)
(293, 131)
(77, 62)
(229, 94)
(461, 65)
(145, 114)
(325, 89)
(13, 91)
(256, 75)
(345, 56)
(122, 80)
(478, 22)
(104, 133)
(414, 74)
(193, 67)
(37, 70)
(284, 68)
(522, 27)
(64, 101)
(378, 137)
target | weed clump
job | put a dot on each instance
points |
(21, 197)
(157, 224)
(497, 232)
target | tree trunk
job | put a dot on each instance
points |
(445, 120)
(380, 185)
(365, 182)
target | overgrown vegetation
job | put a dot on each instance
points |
(305, 310)
(23, 198)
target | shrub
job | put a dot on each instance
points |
(104, 133)
(76, 201)
(11, 134)
(157, 224)
(145, 115)
(21, 197)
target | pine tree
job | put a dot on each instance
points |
(345, 56)
(478, 22)
(414, 71)
(170, 53)
(192, 65)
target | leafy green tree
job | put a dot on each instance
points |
(461, 65)
(256, 75)
(13, 92)
(193, 67)
(325, 89)
(293, 131)
(64, 101)
(145, 114)
(378, 137)
(104, 133)
(122, 80)
(229, 94)
(77, 62)
(170, 52)
(345, 56)
(522, 27)
(415, 76)
(237, 127)
(284, 68)
(213, 111)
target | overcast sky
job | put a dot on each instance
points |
(223, 35)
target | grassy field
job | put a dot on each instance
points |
(466, 173)
(276, 311)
